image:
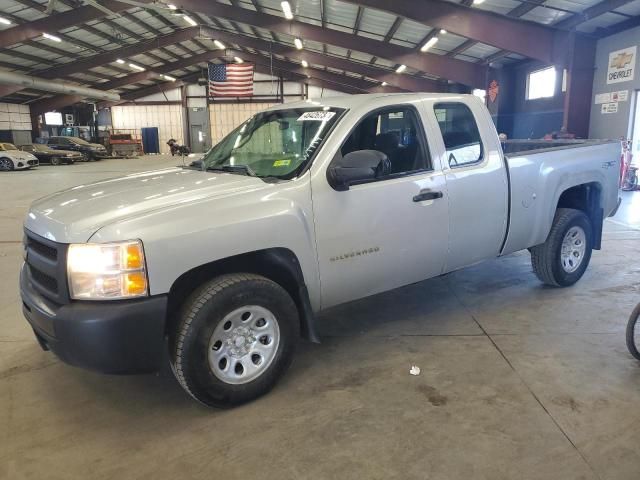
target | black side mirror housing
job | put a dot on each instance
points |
(358, 167)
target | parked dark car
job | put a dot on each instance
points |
(89, 151)
(46, 154)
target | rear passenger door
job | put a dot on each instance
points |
(476, 181)
(387, 232)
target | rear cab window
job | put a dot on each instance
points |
(460, 134)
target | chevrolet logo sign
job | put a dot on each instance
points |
(621, 60)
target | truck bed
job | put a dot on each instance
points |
(520, 147)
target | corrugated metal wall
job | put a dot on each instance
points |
(14, 117)
(227, 116)
(168, 119)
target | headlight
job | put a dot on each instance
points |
(107, 271)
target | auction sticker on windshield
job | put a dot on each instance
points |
(316, 116)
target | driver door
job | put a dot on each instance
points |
(382, 234)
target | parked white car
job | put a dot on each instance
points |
(12, 158)
(304, 206)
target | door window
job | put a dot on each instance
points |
(397, 133)
(460, 134)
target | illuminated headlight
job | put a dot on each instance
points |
(107, 271)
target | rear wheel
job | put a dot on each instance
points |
(563, 258)
(235, 338)
(6, 164)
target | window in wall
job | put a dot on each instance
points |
(480, 93)
(541, 83)
(395, 132)
(460, 134)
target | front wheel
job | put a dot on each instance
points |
(563, 258)
(633, 333)
(6, 164)
(55, 161)
(235, 338)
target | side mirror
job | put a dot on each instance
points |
(358, 167)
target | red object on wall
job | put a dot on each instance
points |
(494, 89)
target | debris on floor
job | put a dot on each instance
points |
(414, 370)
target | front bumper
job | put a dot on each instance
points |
(22, 164)
(98, 154)
(110, 336)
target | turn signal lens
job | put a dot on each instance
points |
(136, 284)
(134, 256)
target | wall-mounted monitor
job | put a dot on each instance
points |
(53, 118)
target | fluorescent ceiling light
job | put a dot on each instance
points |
(6, 21)
(305, 64)
(238, 59)
(168, 77)
(219, 44)
(443, 31)
(136, 67)
(478, 2)
(298, 43)
(120, 61)
(190, 20)
(51, 37)
(286, 9)
(401, 68)
(430, 43)
(384, 84)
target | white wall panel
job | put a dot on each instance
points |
(227, 116)
(167, 118)
(317, 92)
(14, 117)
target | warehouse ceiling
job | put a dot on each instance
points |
(137, 47)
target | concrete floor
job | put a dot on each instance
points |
(518, 381)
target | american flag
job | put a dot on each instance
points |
(230, 80)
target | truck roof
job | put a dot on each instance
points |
(355, 101)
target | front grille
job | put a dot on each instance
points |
(32, 162)
(46, 261)
(45, 250)
(44, 280)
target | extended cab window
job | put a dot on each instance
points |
(397, 133)
(460, 134)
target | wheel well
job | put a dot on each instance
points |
(586, 197)
(278, 264)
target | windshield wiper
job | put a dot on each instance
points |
(242, 169)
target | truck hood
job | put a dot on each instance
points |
(74, 215)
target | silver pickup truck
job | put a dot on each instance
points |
(221, 265)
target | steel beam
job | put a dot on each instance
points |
(405, 82)
(591, 13)
(526, 38)
(131, 97)
(437, 65)
(58, 21)
(335, 81)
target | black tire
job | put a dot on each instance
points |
(86, 157)
(546, 258)
(54, 161)
(203, 311)
(633, 334)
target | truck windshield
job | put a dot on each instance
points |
(273, 144)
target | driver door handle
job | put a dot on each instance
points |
(427, 195)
